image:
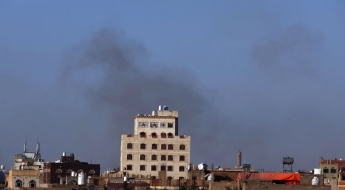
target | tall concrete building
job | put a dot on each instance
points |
(156, 146)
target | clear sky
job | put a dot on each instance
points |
(263, 77)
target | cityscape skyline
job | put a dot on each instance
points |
(264, 78)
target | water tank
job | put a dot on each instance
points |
(153, 113)
(165, 107)
(315, 181)
(125, 179)
(160, 107)
(317, 171)
(81, 178)
(2, 167)
(287, 160)
(202, 166)
(73, 174)
(63, 153)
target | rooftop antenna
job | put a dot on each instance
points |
(37, 147)
(25, 147)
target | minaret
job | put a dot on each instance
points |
(239, 159)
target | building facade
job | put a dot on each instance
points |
(27, 169)
(156, 146)
(65, 170)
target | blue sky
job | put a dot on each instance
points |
(266, 76)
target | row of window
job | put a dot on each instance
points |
(155, 168)
(155, 157)
(155, 146)
(154, 135)
(326, 170)
(155, 125)
(19, 183)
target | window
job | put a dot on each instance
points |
(32, 183)
(170, 158)
(181, 168)
(170, 135)
(163, 157)
(129, 145)
(92, 172)
(170, 147)
(325, 170)
(182, 147)
(129, 167)
(142, 134)
(143, 146)
(170, 168)
(18, 183)
(154, 146)
(143, 124)
(154, 135)
(163, 125)
(181, 178)
(163, 146)
(129, 157)
(142, 167)
(68, 172)
(163, 168)
(163, 135)
(154, 124)
(58, 173)
(333, 170)
(154, 157)
(170, 125)
(153, 168)
(142, 157)
(181, 158)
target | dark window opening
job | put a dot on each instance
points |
(163, 168)
(142, 134)
(18, 183)
(170, 147)
(163, 135)
(154, 135)
(170, 168)
(154, 146)
(181, 158)
(154, 157)
(163, 146)
(325, 170)
(170, 158)
(182, 147)
(333, 170)
(129, 167)
(142, 167)
(181, 168)
(142, 146)
(129, 145)
(163, 157)
(32, 183)
(153, 168)
(129, 157)
(170, 125)
(142, 157)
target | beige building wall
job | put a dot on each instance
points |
(330, 173)
(156, 135)
(25, 177)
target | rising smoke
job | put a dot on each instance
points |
(124, 87)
